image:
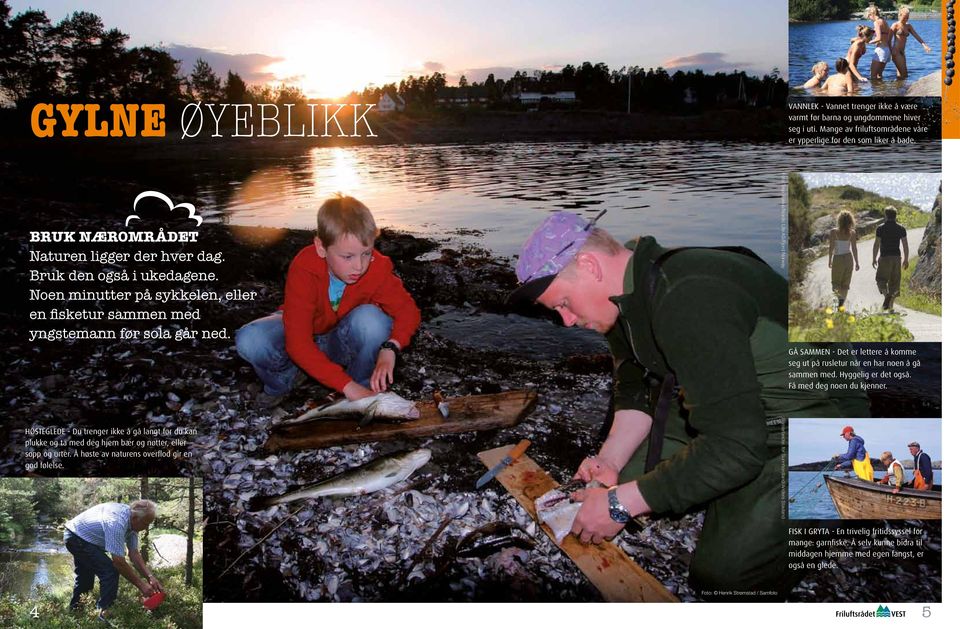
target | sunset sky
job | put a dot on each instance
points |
(330, 51)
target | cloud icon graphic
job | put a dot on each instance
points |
(191, 209)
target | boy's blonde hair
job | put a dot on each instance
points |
(342, 215)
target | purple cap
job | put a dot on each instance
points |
(552, 246)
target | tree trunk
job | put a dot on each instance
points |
(145, 541)
(188, 575)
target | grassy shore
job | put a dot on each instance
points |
(838, 325)
(916, 300)
(49, 608)
(830, 200)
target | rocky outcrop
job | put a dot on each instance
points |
(928, 274)
(928, 85)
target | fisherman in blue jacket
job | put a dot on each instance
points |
(856, 454)
(922, 467)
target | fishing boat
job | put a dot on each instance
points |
(861, 500)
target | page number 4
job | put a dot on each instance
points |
(34, 613)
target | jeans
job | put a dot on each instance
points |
(90, 561)
(353, 344)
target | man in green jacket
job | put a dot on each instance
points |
(714, 322)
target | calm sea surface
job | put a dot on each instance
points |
(494, 195)
(814, 502)
(826, 41)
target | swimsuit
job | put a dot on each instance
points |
(882, 54)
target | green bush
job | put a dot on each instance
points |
(49, 609)
(798, 229)
(854, 194)
(833, 325)
(916, 300)
(821, 10)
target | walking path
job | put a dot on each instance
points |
(864, 294)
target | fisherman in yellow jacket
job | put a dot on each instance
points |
(857, 455)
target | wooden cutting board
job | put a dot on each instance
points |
(468, 413)
(612, 571)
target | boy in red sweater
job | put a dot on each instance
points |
(345, 316)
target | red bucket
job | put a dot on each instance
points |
(154, 601)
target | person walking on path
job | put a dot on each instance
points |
(891, 237)
(842, 255)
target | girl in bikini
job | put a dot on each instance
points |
(858, 46)
(902, 30)
(881, 54)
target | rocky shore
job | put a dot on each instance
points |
(371, 548)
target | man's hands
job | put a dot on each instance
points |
(594, 468)
(382, 376)
(150, 587)
(593, 524)
(874, 263)
(906, 263)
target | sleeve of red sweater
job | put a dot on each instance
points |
(394, 300)
(300, 303)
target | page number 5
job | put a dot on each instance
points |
(926, 611)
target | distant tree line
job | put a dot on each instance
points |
(25, 502)
(80, 60)
(597, 87)
(823, 10)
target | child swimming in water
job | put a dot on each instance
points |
(841, 83)
(820, 71)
